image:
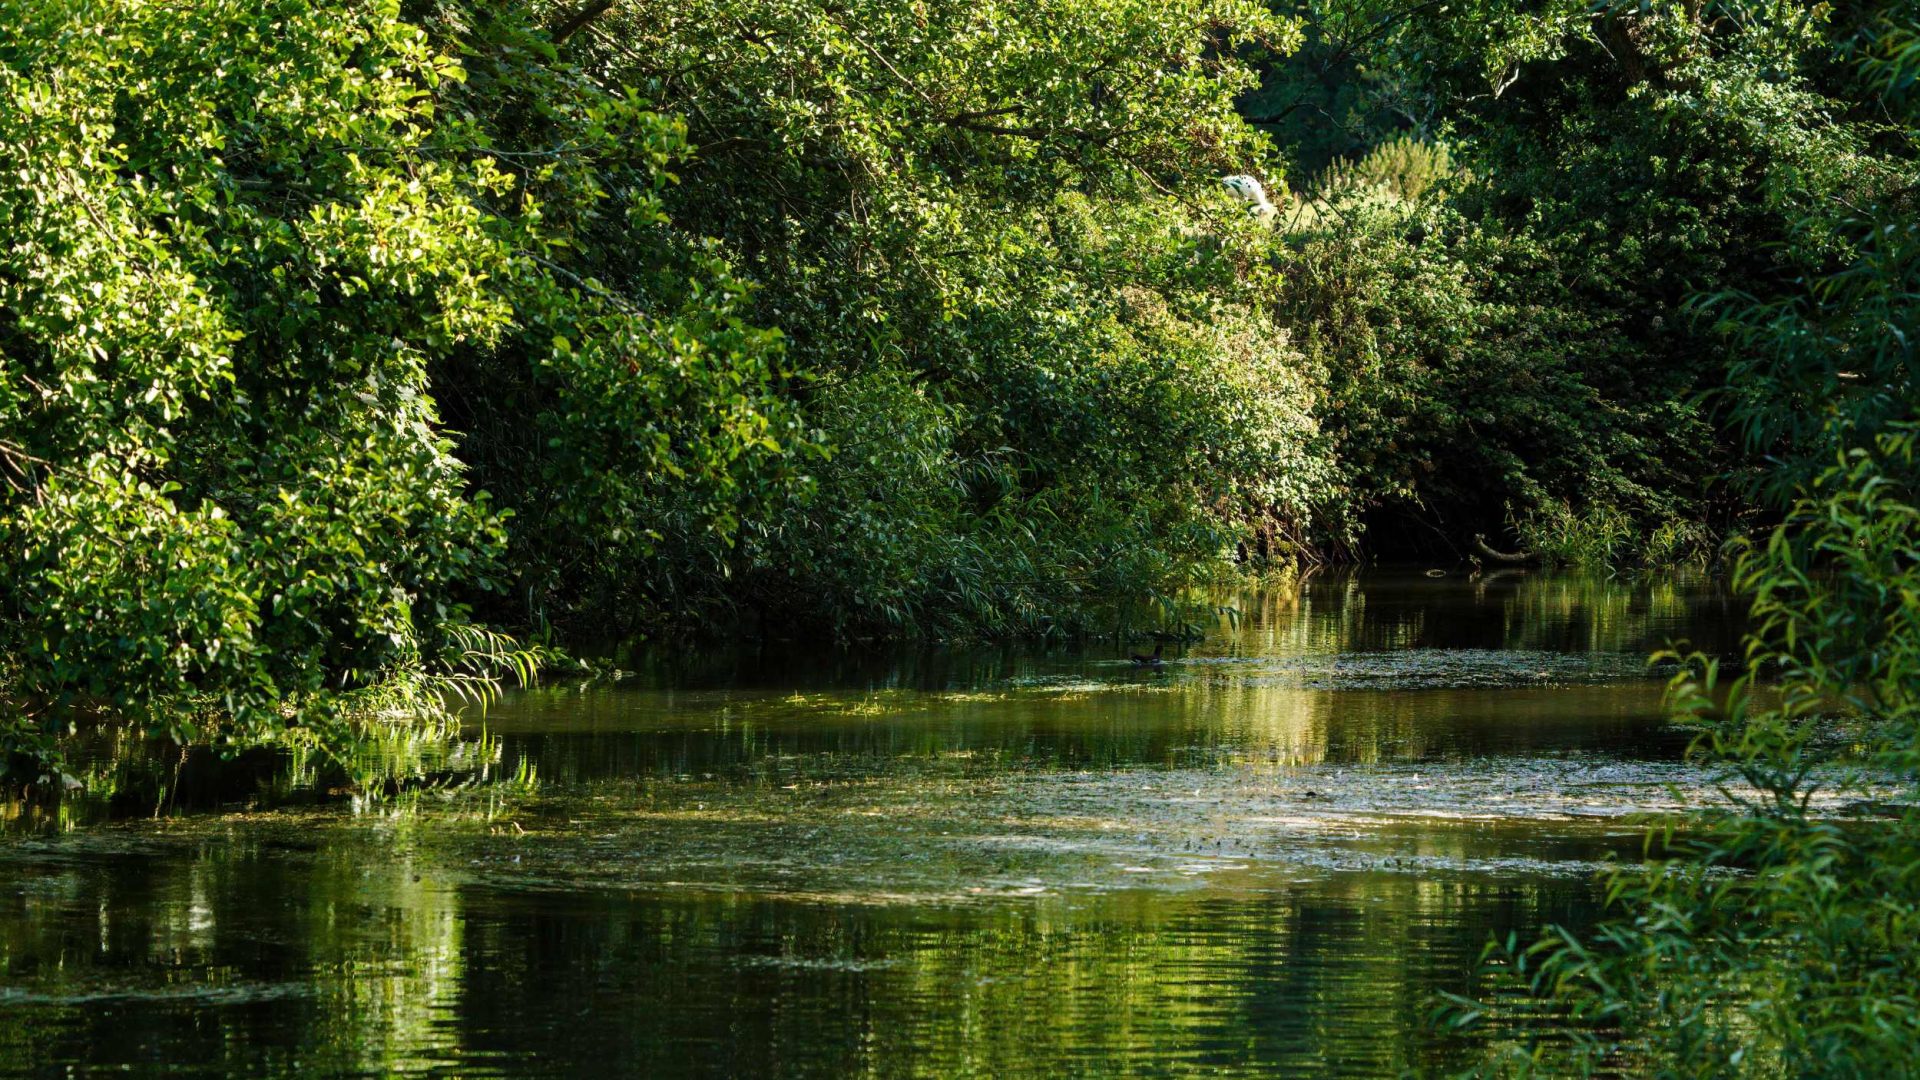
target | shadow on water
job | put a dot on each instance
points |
(1326, 612)
(775, 860)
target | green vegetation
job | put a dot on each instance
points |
(352, 357)
(324, 335)
(242, 243)
(1775, 938)
(1017, 308)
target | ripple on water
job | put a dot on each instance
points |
(1404, 669)
(1035, 834)
(1261, 861)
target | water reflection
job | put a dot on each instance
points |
(781, 861)
(353, 955)
(1324, 613)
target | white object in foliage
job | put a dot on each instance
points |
(1249, 191)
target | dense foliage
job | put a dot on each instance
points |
(325, 332)
(336, 340)
(1775, 936)
(328, 337)
(1586, 170)
(993, 238)
(244, 243)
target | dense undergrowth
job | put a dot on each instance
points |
(329, 336)
(1772, 939)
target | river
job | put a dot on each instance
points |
(1264, 859)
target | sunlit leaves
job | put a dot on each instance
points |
(246, 247)
(990, 236)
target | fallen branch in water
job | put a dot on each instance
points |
(1480, 545)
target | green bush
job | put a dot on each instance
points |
(1021, 317)
(1405, 166)
(1594, 537)
(1461, 382)
(1774, 934)
(246, 246)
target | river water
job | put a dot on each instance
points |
(1265, 859)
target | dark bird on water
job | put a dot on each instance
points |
(1153, 661)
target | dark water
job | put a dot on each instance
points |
(1264, 860)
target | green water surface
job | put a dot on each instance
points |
(793, 860)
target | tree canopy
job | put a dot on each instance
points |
(355, 355)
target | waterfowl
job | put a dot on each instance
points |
(1250, 191)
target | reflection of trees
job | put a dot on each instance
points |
(1223, 717)
(315, 944)
(253, 955)
(124, 774)
(1331, 611)
(774, 713)
(1271, 984)
(233, 953)
(1597, 614)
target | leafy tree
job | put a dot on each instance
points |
(1775, 936)
(1457, 373)
(246, 244)
(1014, 296)
(1624, 157)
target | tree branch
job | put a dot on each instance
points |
(578, 21)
